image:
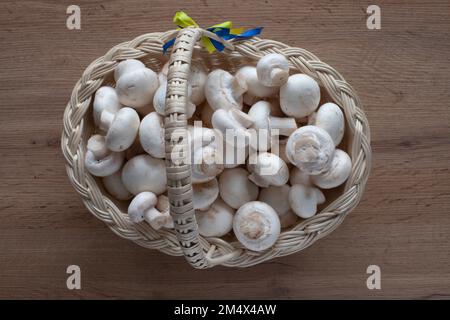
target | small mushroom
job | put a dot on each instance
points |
(151, 135)
(273, 70)
(267, 169)
(311, 149)
(136, 86)
(159, 101)
(233, 125)
(143, 207)
(105, 99)
(235, 188)
(304, 200)
(114, 185)
(144, 173)
(121, 127)
(126, 66)
(278, 199)
(299, 96)
(337, 174)
(255, 88)
(267, 125)
(100, 161)
(224, 91)
(205, 194)
(330, 118)
(216, 221)
(256, 225)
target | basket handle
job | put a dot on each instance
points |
(178, 168)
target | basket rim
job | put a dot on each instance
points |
(290, 241)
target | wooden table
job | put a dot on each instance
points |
(402, 225)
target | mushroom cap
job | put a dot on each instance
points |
(235, 188)
(259, 113)
(297, 176)
(268, 169)
(278, 199)
(205, 194)
(256, 225)
(311, 149)
(123, 129)
(99, 161)
(114, 185)
(255, 88)
(144, 173)
(224, 91)
(105, 99)
(137, 87)
(151, 135)
(126, 66)
(217, 221)
(273, 70)
(299, 96)
(330, 118)
(337, 174)
(140, 204)
(303, 200)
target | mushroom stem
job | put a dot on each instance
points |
(285, 126)
(156, 218)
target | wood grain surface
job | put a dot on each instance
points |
(401, 73)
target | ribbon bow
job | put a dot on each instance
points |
(223, 30)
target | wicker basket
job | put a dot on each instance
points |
(184, 239)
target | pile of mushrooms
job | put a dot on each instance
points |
(264, 152)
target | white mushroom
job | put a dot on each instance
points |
(267, 169)
(330, 118)
(233, 125)
(151, 135)
(267, 125)
(311, 149)
(126, 66)
(255, 88)
(217, 221)
(205, 194)
(114, 185)
(105, 99)
(100, 161)
(235, 189)
(256, 225)
(224, 91)
(144, 173)
(135, 85)
(299, 96)
(143, 207)
(337, 174)
(273, 70)
(304, 200)
(278, 199)
(159, 101)
(121, 127)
